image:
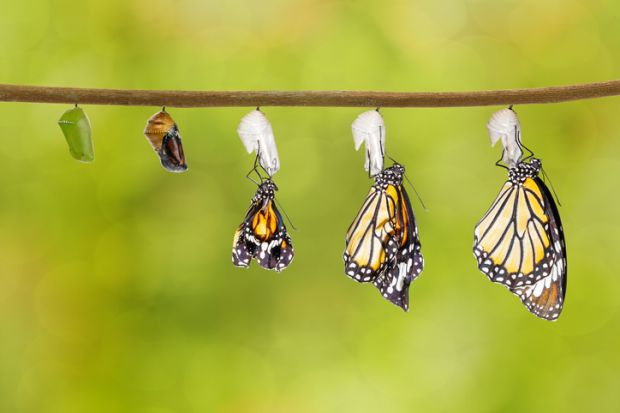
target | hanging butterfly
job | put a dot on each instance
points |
(382, 243)
(520, 241)
(262, 235)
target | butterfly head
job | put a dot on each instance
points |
(536, 164)
(524, 170)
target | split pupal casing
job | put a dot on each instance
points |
(163, 134)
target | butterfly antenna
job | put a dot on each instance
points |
(416, 193)
(555, 194)
(279, 204)
(390, 158)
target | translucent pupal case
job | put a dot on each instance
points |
(163, 134)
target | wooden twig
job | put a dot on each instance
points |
(179, 98)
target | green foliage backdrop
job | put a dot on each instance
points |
(117, 293)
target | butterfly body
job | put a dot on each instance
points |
(262, 235)
(520, 242)
(382, 243)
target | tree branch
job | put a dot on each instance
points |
(179, 98)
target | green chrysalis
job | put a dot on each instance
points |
(76, 127)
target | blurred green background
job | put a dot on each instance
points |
(117, 292)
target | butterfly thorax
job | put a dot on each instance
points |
(266, 191)
(390, 176)
(524, 170)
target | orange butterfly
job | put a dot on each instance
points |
(262, 235)
(520, 242)
(382, 243)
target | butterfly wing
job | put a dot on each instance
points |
(520, 244)
(263, 236)
(408, 262)
(171, 151)
(511, 242)
(276, 251)
(545, 298)
(244, 243)
(369, 240)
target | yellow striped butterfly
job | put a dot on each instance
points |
(382, 243)
(520, 241)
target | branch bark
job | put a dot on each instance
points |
(180, 98)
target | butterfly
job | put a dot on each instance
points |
(262, 235)
(382, 243)
(520, 242)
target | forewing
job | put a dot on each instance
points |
(511, 242)
(244, 243)
(241, 255)
(369, 243)
(171, 152)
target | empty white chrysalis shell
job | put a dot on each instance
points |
(504, 125)
(369, 128)
(257, 136)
